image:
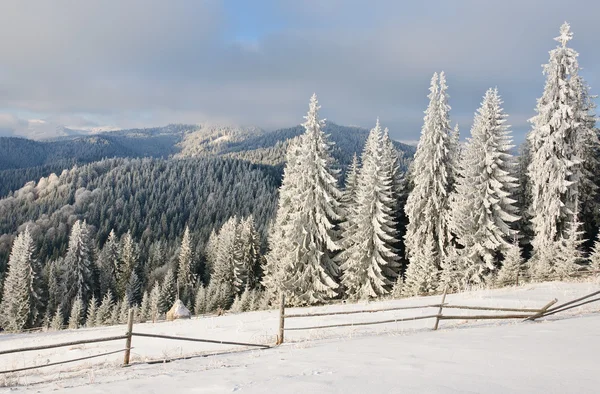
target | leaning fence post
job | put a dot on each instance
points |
(281, 319)
(437, 319)
(129, 335)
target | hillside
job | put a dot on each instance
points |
(462, 356)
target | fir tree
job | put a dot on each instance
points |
(512, 266)
(92, 313)
(422, 275)
(76, 316)
(154, 308)
(200, 301)
(57, 321)
(369, 262)
(427, 206)
(595, 255)
(18, 309)
(561, 121)
(168, 292)
(185, 275)
(108, 263)
(103, 314)
(128, 260)
(78, 266)
(309, 207)
(144, 307)
(246, 255)
(55, 290)
(569, 256)
(348, 200)
(481, 206)
(133, 289)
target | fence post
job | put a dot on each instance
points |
(129, 335)
(437, 319)
(281, 319)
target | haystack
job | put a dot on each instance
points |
(178, 311)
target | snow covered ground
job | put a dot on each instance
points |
(555, 355)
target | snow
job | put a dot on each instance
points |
(557, 354)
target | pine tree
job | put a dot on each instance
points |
(422, 275)
(427, 206)
(369, 262)
(76, 316)
(133, 289)
(512, 266)
(55, 290)
(210, 252)
(168, 292)
(154, 309)
(57, 321)
(108, 263)
(185, 275)
(128, 260)
(481, 206)
(200, 301)
(18, 309)
(595, 255)
(78, 266)
(246, 255)
(348, 200)
(570, 256)
(144, 307)
(92, 313)
(305, 239)
(555, 171)
(103, 314)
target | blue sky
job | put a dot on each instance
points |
(138, 63)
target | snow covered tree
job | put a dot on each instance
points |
(128, 260)
(523, 197)
(369, 261)
(595, 255)
(18, 309)
(570, 257)
(76, 316)
(57, 321)
(210, 251)
(562, 121)
(481, 206)
(144, 307)
(200, 301)
(92, 313)
(154, 309)
(512, 266)
(168, 292)
(124, 307)
(103, 314)
(185, 273)
(422, 275)
(246, 255)
(427, 206)
(55, 290)
(108, 263)
(302, 246)
(223, 268)
(133, 289)
(78, 268)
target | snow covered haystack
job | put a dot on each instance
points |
(178, 311)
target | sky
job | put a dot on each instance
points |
(106, 64)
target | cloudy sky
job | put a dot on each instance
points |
(137, 63)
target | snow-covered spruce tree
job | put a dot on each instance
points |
(210, 252)
(128, 260)
(78, 280)
(200, 301)
(77, 313)
(55, 290)
(309, 206)
(144, 307)
(18, 309)
(427, 206)
(168, 292)
(369, 262)
(246, 255)
(481, 206)
(523, 196)
(57, 321)
(422, 275)
(108, 261)
(348, 201)
(154, 309)
(512, 266)
(124, 310)
(186, 279)
(92, 313)
(103, 314)
(561, 121)
(594, 258)
(134, 289)
(570, 257)
(223, 267)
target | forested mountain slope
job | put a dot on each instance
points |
(153, 198)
